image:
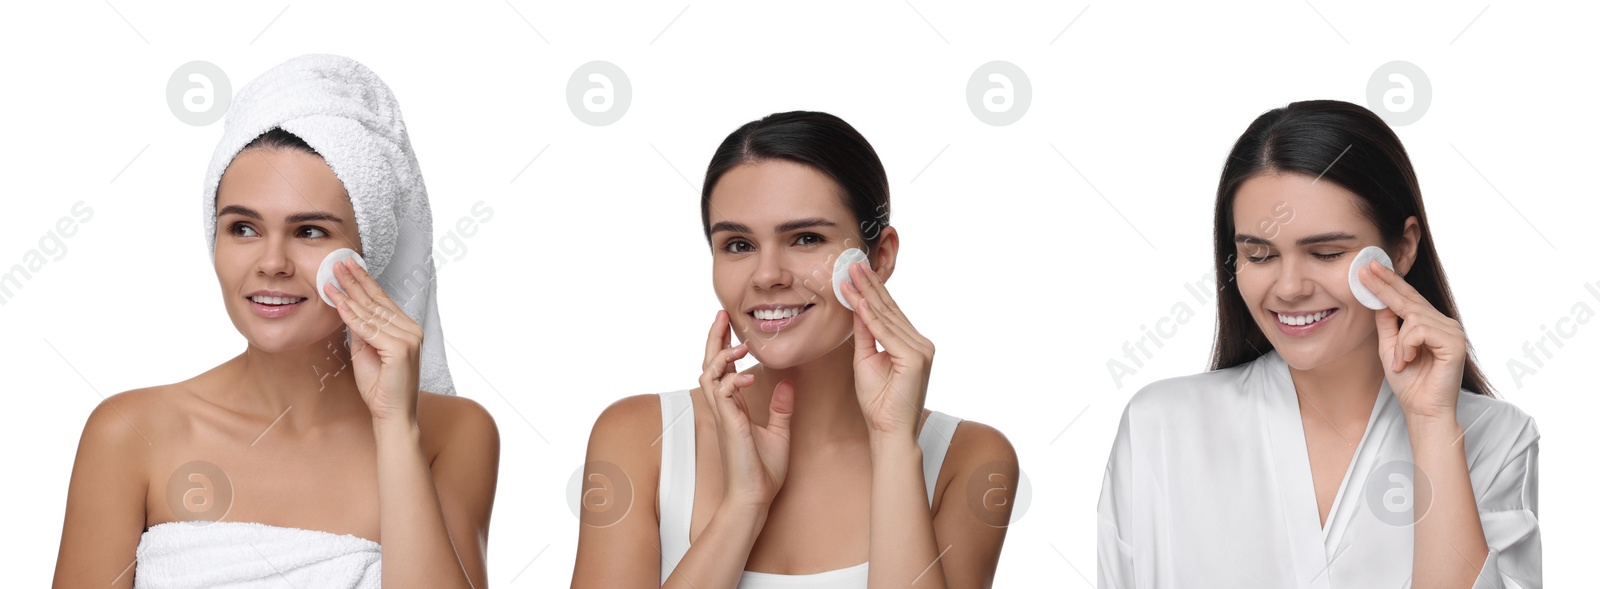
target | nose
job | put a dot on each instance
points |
(274, 259)
(1293, 281)
(770, 272)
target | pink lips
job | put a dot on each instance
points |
(275, 311)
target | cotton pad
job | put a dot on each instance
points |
(325, 273)
(1367, 254)
(841, 272)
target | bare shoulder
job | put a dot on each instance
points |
(975, 444)
(451, 411)
(627, 435)
(122, 438)
(978, 452)
(625, 422)
(137, 418)
(457, 419)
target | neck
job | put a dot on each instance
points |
(1345, 389)
(317, 381)
(825, 406)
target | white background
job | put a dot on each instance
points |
(1031, 252)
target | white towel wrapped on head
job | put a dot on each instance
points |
(349, 116)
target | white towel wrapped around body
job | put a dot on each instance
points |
(241, 555)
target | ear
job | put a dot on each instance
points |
(1410, 236)
(883, 256)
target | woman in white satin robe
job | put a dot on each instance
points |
(1332, 445)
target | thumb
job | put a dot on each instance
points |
(1388, 324)
(866, 345)
(1388, 336)
(782, 408)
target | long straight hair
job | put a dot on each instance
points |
(1350, 146)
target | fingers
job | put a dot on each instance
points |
(1388, 332)
(717, 339)
(1393, 290)
(1411, 321)
(716, 343)
(897, 320)
(369, 301)
(866, 345)
(379, 325)
(885, 323)
(781, 409)
(1443, 341)
(719, 383)
(718, 380)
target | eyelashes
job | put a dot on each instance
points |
(1323, 257)
(730, 246)
(316, 232)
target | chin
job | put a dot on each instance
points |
(275, 341)
(1301, 357)
(786, 352)
(1312, 355)
(281, 337)
(778, 353)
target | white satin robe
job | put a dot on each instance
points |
(1209, 485)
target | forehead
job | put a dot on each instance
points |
(775, 190)
(282, 180)
(1296, 204)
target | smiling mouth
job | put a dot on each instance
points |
(776, 314)
(1302, 319)
(276, 301)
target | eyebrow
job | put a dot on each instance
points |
(1307, 240)
(295, 218)
(784, 227)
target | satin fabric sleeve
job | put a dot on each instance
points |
(1114, 555)
(1509, 510)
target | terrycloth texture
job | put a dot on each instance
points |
(342, 110)
(181, 555)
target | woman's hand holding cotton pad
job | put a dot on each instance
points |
(1367, 298)
(325, 272)
(841, 273)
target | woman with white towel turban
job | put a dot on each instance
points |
(332, 452)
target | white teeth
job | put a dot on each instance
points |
(783, 313)
(276, 300)
(1302, 319)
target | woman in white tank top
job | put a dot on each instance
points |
(819, 466)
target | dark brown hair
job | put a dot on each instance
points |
(278, 138)
(816, 139)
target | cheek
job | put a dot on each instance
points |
(725, 281)
(816, 282)
(1253, 281)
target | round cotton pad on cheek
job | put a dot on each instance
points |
(841, 272)
(325, 273)
(1367, 254)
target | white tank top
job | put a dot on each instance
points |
(676, 494)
